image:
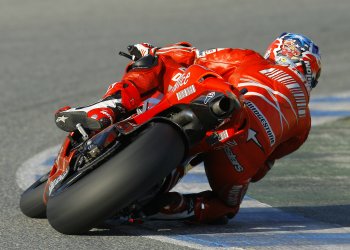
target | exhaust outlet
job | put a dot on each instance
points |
(224, 107)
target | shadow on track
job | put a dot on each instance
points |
(253, 227)
(249, 220)
(333, 214)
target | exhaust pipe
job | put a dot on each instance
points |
(224, 106)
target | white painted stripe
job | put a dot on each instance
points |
(179, 239)
(187, 243)
(258, 223)
(35, 167)
(329, 108)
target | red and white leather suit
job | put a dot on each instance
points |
(274, 120)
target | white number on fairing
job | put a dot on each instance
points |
(180, 79)
(176, 77)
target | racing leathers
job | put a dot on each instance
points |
(273, 120)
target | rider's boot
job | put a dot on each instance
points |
(93, 117)
(203, 208)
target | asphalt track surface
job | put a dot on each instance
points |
(55, 53)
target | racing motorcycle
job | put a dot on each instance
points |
(119, 170)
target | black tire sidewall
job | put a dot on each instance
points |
(119, 181)
(32, 202)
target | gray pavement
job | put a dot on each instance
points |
(55, 53)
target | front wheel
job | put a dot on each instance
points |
(32, 200)
(119, 181)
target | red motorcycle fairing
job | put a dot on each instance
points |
(195, 81)
(60, 167)
(63, 162)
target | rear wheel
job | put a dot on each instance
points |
(118, 182)
(32, 202)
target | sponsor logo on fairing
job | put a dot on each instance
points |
(233, 159)
(57, 180)
(185, 92)
(209, 97)
(203, 53)
(223, 135)
(263, 121)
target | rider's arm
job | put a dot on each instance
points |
(182, 53)
(141, 79)
(225, 61)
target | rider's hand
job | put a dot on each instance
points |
(141, 49)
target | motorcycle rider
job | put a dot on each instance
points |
(273, 119)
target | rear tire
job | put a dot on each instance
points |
(32, 202)
(118, 182)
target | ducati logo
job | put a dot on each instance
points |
(209, 97)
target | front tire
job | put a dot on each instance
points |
(118, 182)
(32, 200)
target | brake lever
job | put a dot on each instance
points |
(121, 53)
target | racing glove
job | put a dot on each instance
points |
(141, 49)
